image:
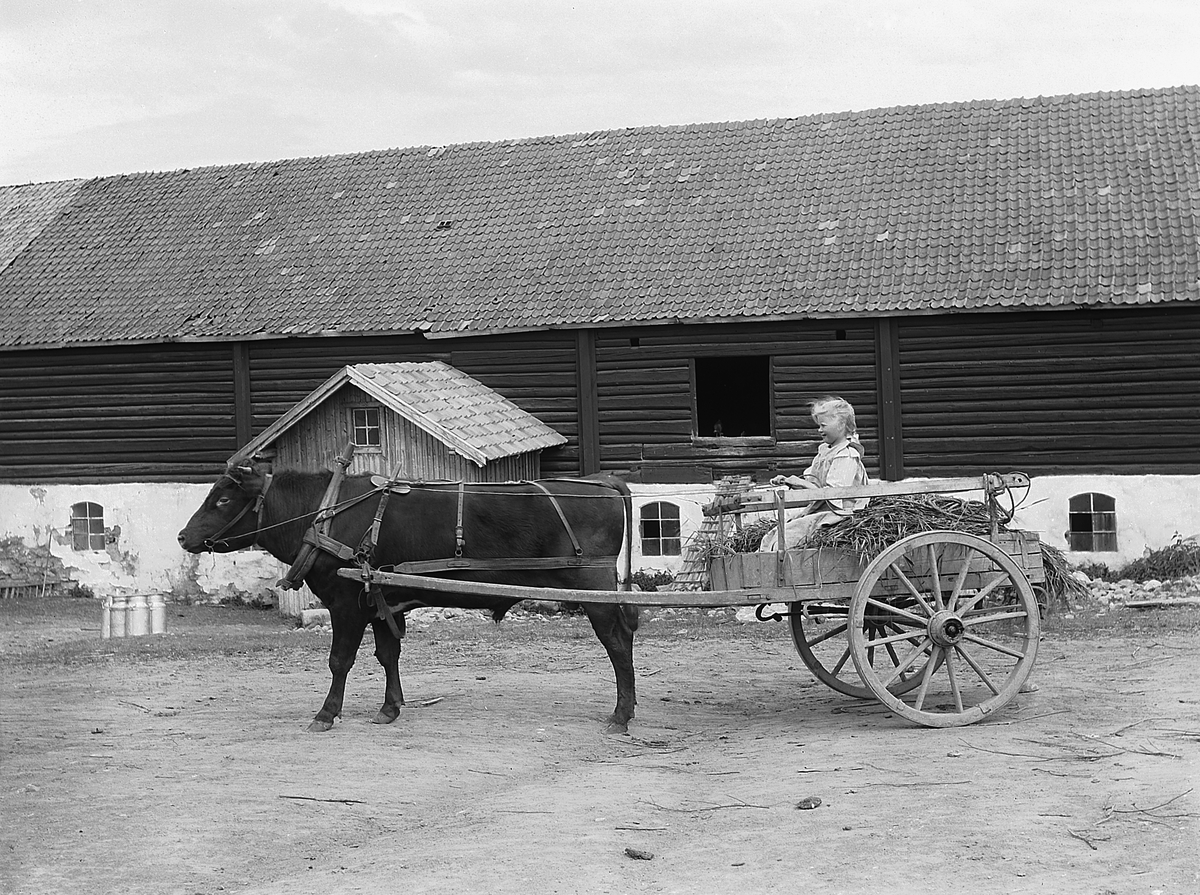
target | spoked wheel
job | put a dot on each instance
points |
(969, 606)
(819, 633)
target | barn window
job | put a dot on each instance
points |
(87, 526)
(733, 397)
(1093, 521)
(660, 530)
(364, 426)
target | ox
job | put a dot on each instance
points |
(569, 518)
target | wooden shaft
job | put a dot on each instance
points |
(663, 599)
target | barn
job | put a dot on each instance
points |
(996, 285)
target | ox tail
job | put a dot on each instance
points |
(629, 614)
(627, 499)
(627, 503)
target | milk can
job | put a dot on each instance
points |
(138, 617)
(158, 614)
(116, 616)
(106, 618)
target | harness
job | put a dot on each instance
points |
(317, 538)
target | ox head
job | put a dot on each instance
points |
(228, 518)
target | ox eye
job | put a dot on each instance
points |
(221, 501)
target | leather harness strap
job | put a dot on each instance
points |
(317, 537)
(561, 515)
(458, 526)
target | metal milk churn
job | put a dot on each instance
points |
(158, 614)
(138, 618)
(106, 619)
(116, 614)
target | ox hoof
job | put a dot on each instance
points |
(616, 727)
(386, 716)
(319, 726)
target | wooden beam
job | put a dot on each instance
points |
(243, 411)
(588, 404)
(887, 371)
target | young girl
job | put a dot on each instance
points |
(838, 464)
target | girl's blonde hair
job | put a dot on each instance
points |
(837, 407)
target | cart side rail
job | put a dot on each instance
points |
(758, 502)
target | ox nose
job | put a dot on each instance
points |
(179, 538)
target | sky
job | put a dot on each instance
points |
(99, 87)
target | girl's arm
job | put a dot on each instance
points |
(793, 481)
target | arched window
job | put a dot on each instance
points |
(1093, 521)
(87, 526)
(660, 530)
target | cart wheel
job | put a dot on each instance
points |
(819, 633)
(970, 605)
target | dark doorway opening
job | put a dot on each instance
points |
(733, 397)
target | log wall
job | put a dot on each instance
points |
(645, 391)
(1071, 392)
(163, 413)
(1063, 393)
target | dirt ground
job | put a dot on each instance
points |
(181, 764)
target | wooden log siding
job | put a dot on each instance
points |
(116, 414)
(646, 401)
(284, 372)
(537, 372)
(1052, 393)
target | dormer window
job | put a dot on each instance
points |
(364, 428)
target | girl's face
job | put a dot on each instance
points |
(831, 427)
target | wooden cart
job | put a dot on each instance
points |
(942, 627)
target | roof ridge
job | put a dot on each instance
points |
(537, 139)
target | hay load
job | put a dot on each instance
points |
(888, 519)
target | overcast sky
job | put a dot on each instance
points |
(93, 87)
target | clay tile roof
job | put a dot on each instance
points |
(1086, 200)
(461, 412)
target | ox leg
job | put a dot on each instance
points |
(349, 625)
(387, 651)
(614, 625)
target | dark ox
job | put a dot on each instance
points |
(499, 521)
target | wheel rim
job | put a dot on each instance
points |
(819, 632)
(969, 605)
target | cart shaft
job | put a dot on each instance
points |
(662, 599)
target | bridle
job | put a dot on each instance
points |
(255, 506)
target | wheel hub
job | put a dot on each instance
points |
(946, 628)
